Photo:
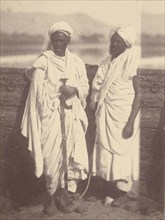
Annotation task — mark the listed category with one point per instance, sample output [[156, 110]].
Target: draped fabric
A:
[[41, 122], [114, 157], [127, 33]]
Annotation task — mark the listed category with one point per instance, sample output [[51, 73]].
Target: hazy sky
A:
[[63, 7], [111, 12], [102, 10]]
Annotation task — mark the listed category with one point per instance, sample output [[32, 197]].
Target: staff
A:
[[64, 106]]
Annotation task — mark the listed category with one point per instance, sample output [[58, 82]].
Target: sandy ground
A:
[[96, 210], [139, 209]]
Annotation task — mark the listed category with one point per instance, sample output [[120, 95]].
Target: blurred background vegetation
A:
[[23, 43]]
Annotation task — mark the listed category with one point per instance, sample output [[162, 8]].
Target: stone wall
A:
[[14, 89]]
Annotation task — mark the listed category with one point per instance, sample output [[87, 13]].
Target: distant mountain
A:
[[38, 23], [153, 24]]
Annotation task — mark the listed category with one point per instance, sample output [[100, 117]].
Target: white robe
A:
[[114, 157], [41, 122]]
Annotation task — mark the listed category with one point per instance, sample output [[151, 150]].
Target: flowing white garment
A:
[[41, 122], [114, 157]]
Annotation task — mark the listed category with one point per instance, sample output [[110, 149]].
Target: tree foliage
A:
[[22, 38], [92, 38]]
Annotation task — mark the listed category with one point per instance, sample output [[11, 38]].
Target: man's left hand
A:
[[127, 130]]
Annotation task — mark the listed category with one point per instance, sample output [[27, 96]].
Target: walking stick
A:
[[64, 106]]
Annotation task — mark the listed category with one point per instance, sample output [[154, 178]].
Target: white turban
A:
[[127, 33], [61, 27]]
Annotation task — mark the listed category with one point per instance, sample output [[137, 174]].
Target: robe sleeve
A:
[[132, 62], [31, 124], [98, 80]]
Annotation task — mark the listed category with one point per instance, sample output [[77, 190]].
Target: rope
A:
[[89, 179], [87, 186]]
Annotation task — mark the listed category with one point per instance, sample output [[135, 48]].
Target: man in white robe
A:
[[54, 120], [115, 97]]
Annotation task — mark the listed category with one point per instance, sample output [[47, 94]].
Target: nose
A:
[[58, 43]]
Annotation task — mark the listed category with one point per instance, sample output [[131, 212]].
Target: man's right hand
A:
[[68, 91], [92, 105]]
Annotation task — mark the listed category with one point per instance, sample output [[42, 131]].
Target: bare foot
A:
[[81, 209], [122, 201], [108, 201], [75, 206], [50, 208], [91, 199]]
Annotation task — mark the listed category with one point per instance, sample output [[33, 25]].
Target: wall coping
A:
[[140, 71]]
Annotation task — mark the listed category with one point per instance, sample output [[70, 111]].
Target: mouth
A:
[[113, 49], [58, 48]]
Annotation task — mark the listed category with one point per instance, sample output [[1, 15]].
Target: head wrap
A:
[[127, 33], [61, 27]]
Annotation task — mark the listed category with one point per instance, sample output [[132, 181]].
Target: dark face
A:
[[117, 45], [59, 42]]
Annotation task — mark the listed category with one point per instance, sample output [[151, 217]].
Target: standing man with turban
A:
[[54, 120], [115, 97]]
